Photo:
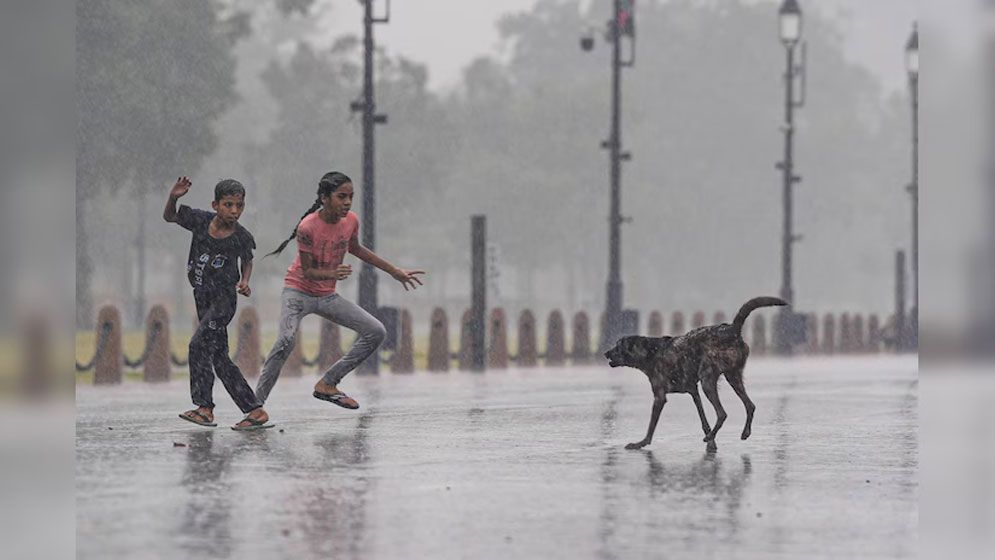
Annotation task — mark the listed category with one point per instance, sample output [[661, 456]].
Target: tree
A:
[[151, 79]]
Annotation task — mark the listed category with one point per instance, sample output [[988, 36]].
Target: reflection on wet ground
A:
[[525, 463]]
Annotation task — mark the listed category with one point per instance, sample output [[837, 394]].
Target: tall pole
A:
[[139, 311], [613, 301], [783, 325], [913, 188], [367, 274]]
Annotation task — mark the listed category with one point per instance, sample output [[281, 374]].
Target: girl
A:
[[323, 237]]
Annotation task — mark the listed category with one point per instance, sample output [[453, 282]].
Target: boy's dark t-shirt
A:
[[213, 263]]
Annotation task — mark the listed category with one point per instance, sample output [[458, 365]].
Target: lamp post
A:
[[786, 325], [367, 274], [911, 340], [621, 25]]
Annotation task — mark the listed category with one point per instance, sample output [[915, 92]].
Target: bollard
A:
[[698, 319], [497, 355], [719, 318], [829, 334], [859, 342], [157, 367], [556, 353], [812, 333], [329, 345], [677, 323], [107, 369], [759, 346], [466, 340], [874, 334], [527, 340], [581, 353], [846, 335], [655, 326], [438, 341], [37, 375], [247, 354], [403, 360]]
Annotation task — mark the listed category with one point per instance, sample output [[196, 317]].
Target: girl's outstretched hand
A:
[[408, 277], [243, 288], [180, 188]]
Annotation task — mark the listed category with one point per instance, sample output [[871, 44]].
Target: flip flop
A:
[[334, 398], [203, 420], [253, 425]]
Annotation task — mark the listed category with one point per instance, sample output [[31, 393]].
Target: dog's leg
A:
[[735, 379], [658, 401], [701, 410], [709, 383]]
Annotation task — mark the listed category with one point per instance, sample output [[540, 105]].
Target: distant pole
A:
[[139, 312], [367, 274], [478, 305], [791, 20], [912, 65]]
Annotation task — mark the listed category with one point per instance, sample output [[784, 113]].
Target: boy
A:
[[218, 244]]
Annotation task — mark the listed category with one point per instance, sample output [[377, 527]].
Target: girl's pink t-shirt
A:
[[328, 243]]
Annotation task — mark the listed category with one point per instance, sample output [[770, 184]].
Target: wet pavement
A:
[[509, 464]]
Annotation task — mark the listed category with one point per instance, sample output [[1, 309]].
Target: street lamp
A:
[[618, 322], [367, 275], [912, 66], [788, 325]]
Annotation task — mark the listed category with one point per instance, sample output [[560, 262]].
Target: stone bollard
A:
[[157, 366], [829, 334], [329, 345], [859, 342], [759, 346], [677, 324], [527, 340], [874, 334], [581, 353], [719, 318], [655, 326], [247, 354], [556, 346], [497, 354], [698, 319], [438, 341], [846, 335], [37, 377], [403, 360], [811, 333], [107, 369], [465, 341]]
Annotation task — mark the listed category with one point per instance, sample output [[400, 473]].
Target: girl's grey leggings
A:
[[294, 306]]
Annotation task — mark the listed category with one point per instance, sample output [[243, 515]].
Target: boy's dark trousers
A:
[[209, 348]]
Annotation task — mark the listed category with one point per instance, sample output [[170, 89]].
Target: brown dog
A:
[[678, 364]]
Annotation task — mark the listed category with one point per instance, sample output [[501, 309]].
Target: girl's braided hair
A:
[[328, 184]]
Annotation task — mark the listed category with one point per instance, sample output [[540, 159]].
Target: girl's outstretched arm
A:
[[179, 189], [409, 278]]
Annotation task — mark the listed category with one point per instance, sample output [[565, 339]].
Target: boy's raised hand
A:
[[180, 188]]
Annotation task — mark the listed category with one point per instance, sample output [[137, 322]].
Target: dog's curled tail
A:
[[753, 304]]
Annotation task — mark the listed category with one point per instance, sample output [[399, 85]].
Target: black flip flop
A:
[[253, 425], [334, 398]]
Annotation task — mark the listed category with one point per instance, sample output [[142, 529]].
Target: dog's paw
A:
[[746, 435], [708, 437], [711, 447], [637, 445]]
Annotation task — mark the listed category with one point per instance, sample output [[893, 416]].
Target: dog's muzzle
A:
[[611, 361]]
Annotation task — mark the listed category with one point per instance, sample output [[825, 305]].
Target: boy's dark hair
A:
[[329, 183], [228, 187]]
